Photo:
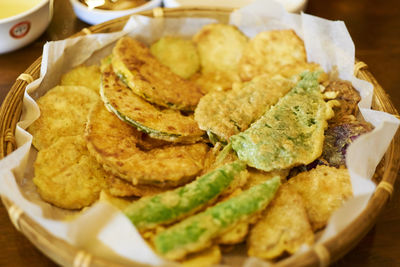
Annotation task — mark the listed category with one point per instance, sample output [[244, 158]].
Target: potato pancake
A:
[[178, 54], [114, 144], [324, 190], [63, 112], [231, 112], [133, 62], [165, 124], [283, 227], [269, 51], [88, 76], [67, 176]]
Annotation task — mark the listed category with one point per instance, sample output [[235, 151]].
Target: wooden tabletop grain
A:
[[375, 29]]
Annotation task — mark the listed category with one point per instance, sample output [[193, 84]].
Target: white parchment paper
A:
[[102, 229]]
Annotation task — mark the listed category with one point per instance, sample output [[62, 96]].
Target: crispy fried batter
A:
[[67, 176], [121, 188], [88, 76], [203, 258], [231, 112], [63, 112], [323, 190], [114, 144], [215, 81], [283, 227], [166, 124], [151, 80], [269, 51], [178, 54]]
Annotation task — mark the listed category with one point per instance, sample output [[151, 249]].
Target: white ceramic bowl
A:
[[21, 29], [96, 16]]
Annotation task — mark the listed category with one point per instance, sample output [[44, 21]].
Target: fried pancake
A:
[[283, 227], [165, 124], [114, 144], [324, 190], [121, 188], [88, 76], [215, 81], [63, 112], [269, 51], [67, 176], [133, 62], [231, 112], [178, 54]]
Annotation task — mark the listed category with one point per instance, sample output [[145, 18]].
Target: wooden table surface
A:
[[375, 29]]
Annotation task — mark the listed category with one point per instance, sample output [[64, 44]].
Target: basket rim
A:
[[334, 248]]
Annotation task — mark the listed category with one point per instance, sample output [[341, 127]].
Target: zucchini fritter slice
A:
[[133, 62], [165, 124], [178, 54], [88, 76], [115, 145], [67, 176], [230, 112], [269, 51], [63, 112]]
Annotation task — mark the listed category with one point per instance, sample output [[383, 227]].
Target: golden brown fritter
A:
[[114, 144], [269, 51], [88, 76], [67, 176], [133, 62], [63, 112], [121, 188]]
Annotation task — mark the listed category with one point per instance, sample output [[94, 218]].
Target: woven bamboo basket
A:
[[321, 255]]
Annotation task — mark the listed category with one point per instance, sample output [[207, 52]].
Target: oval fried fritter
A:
[[88, 76], [114, 144], [118, 187], [230, 112], [268, 51], [67, 176], [133, 62], [178, 54], [63, 112]]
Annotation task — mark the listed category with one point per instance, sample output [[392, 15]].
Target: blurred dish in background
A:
[[22, 21], [98, 11], [294, 6]]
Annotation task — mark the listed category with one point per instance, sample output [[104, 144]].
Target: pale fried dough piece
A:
[[231, 112], [114, 144], [323, 190], [268, 51], [203, 258], [293, 69], [63, 112], [151, 80], [178, 54], [121, 188], [283, 227], [258, 176], [88, 76], [67, 176], [215, 81], [165, 124]]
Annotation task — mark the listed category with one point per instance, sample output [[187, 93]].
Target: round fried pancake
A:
[[268, 51], [63, 112], [178, 54], [121, 188], [133, 62], [220, 47], [165, 124], [88, 76], [114, 144], [67, 176]]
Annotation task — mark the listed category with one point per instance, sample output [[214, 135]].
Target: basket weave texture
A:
[[322, 255]]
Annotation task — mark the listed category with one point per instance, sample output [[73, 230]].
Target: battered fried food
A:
[[67, 176], [115, 145], [63, 112], [121, 188], [215, 81], [207, 257], [88, 76], [178, 54], [133, 62], [269, 51], [324, 190], [283, 227], [165, 124], [290, 133], [231, 112]]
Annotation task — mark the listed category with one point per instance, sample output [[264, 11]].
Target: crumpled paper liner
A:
[[102, 229]]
